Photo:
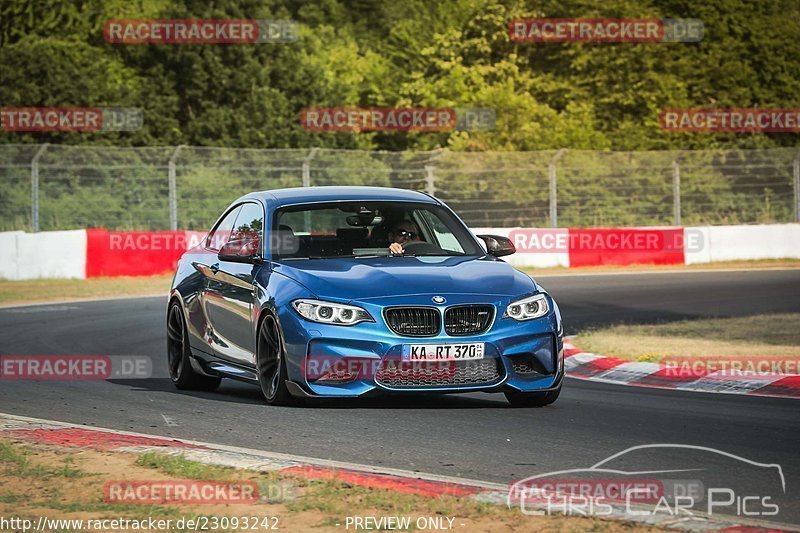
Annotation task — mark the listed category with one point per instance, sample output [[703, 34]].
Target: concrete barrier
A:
[[697, 245], [51, 254], [767, 241], [9, 265]]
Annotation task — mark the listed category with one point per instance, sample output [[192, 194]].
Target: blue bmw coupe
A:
[[334, 292]]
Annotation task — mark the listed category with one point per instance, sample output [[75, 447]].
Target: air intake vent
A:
[[468, 319], [529, 367], [413, 321], [429, 374]]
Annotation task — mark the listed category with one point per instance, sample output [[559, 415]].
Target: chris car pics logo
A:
[[677, 480]]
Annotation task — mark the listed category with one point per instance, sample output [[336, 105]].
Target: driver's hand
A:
[[396, 248]]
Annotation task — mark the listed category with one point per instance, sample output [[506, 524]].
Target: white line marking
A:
[[169, 420], [39, 309], [164, 295]]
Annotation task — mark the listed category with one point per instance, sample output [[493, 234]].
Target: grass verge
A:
[[314, 505], [776, 335], [53, 290]]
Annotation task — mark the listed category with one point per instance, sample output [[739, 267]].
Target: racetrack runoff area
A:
[[610, 417]]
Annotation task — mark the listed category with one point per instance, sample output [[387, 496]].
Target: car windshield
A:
[[361, 229]]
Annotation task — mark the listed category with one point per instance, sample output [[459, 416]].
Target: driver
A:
[[402, 232]]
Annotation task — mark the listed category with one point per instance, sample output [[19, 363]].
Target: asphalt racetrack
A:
[[474, 436]]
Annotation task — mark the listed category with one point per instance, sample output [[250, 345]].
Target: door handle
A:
[[214, 268]]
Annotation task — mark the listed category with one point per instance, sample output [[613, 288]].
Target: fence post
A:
[[307, 167], [35, 187], [676, 193], [173, 190], [797, 188], [430, 170], [553, 187], [430, 180], [307, 183]]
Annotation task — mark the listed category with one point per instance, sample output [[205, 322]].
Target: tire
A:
[[271, 363], [532, 399], [178, 353]]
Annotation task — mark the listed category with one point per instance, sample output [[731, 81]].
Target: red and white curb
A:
[[580, 364], [432, 485]]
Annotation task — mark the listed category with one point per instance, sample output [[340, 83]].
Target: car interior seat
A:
[[286, 242]]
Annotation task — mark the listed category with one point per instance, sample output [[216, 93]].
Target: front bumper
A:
[[520, 356]]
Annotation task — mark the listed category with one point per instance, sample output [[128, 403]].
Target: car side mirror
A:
[[240, 251], [498, 246]]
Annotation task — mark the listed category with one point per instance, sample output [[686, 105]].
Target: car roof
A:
[[298, 195]]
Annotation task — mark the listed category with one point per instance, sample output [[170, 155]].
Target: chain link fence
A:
[[53, 187]]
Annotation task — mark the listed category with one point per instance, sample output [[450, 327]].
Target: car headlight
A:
[[331, 313], [535, 306]]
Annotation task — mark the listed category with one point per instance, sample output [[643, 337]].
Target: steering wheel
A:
[[421, 247], [411, 244]]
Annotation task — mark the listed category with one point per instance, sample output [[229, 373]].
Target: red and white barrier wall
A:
[[100, 253], [128, 253], [575, 247]]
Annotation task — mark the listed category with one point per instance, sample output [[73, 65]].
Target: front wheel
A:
[[178, 353], [532, 399], [271, 365]]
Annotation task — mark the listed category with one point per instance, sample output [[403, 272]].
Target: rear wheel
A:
[[532, 399], [271, 365], [178, 353]]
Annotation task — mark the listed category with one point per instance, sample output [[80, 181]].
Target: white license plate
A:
[[467, 351]]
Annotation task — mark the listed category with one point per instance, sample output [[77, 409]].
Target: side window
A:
[[219, 235], [249, 223], [444, 236]]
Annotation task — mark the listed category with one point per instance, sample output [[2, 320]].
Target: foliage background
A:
[[590, 98], [404, 52]]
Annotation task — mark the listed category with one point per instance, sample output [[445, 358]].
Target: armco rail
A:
[[97, 252]]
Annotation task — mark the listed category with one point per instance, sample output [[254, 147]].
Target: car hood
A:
[[378, 277]]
